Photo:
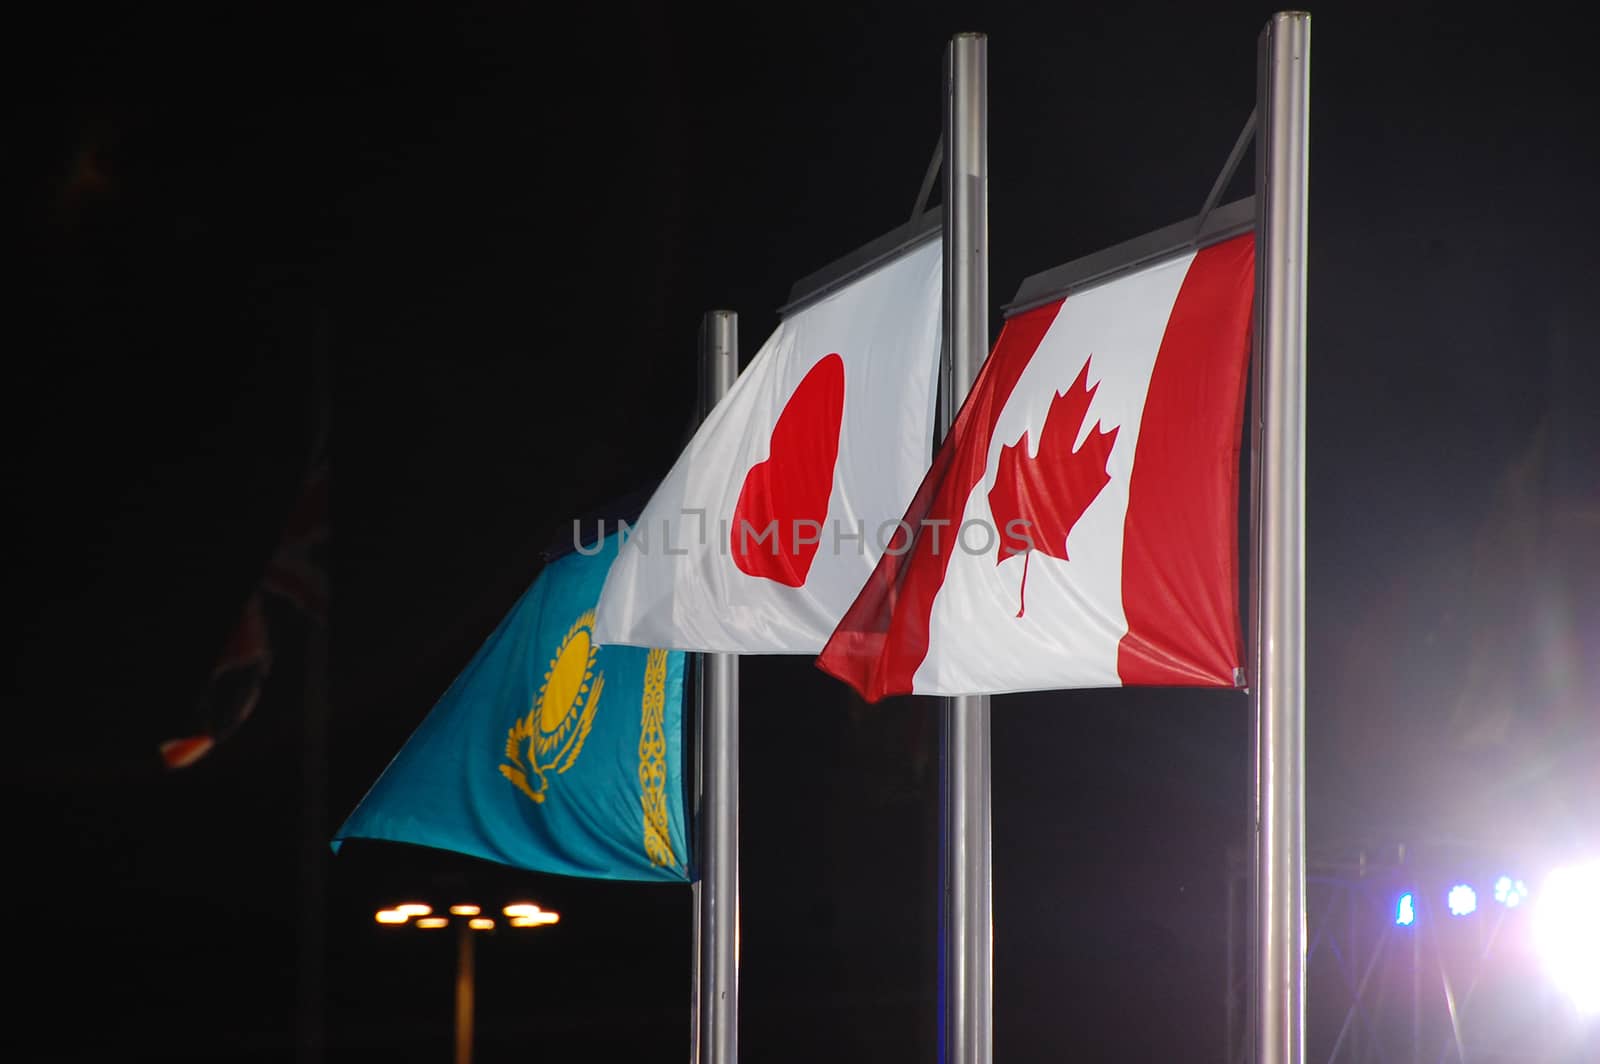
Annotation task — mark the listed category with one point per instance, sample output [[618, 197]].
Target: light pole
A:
[[469, 920]]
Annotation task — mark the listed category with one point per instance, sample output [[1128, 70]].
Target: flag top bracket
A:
[[1246, 135], [869, 256], [926, 191], [1212, 227]]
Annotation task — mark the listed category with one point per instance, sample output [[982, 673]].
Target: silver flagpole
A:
[[965, 951], [1278, 550], [716, 932]]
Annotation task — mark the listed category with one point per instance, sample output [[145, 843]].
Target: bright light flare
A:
[[1462, 899], [391, 916], [414, 908], [481, 923], [1405, 913], [464, 910], [522, 908], [433, 921], [1566, 932], [536, 920]]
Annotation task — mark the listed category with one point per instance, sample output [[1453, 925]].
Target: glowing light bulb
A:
[[539, 919], [1405, 914], [1510, 892]]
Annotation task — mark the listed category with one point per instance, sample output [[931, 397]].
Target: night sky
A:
[[496, 232]]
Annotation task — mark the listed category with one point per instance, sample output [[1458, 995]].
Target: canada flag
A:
[[774, 515], [1079, 525]]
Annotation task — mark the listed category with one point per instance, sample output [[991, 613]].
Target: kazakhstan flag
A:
[[547, 753]]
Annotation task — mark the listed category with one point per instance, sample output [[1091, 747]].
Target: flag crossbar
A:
[[1228, 220], [840, 272]]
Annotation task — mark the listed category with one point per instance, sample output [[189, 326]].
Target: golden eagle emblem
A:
[[550, 737]]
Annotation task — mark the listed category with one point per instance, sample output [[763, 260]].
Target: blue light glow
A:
[[1510, 892], [1405, 913], [1463, 900]]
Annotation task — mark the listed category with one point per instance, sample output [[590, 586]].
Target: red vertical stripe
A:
[[883, 637], [1180, 552]]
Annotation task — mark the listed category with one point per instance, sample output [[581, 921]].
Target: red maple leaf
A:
[[1036, 501]]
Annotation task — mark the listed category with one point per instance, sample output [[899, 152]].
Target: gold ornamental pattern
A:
[[653, 763]]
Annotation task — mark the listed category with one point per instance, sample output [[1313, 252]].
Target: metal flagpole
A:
[[1278, 548], [965, 951], [716, 933]]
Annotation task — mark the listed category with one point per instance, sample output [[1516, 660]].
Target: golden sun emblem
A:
[[550, 737]]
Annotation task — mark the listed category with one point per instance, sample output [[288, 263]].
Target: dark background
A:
[[498, 229]]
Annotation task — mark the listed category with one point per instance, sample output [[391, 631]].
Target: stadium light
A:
[[1566, 932], [1462, 899], [1510, 892], [1405, 913], [467, 920]]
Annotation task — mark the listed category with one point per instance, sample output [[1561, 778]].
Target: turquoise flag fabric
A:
[[547, 753]]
